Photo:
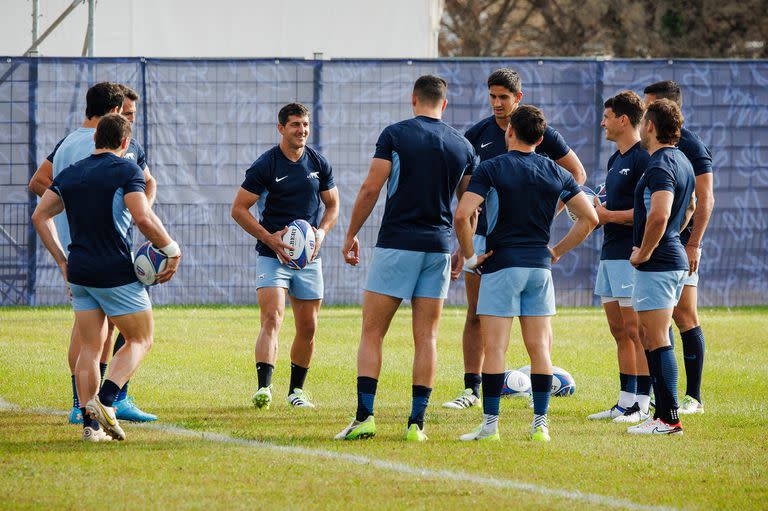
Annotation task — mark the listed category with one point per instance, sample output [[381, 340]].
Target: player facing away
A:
[[516, 278], [293, 181], [101, 194], [621, 119], [488, 138], [686, 314], [663, 206], [424, 162]]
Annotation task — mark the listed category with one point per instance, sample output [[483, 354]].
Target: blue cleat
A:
[[126, 410], [75, 417]]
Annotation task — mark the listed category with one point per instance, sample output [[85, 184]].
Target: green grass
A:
[[200, 376]]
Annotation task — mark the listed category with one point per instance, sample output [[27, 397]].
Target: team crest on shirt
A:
[[130, 156], [314, 175], [624, 172]]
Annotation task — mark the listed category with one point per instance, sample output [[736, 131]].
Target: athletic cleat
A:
[[690, 405], [126, 410], [655, 427], [300, 399], [358, 430], [75, 416], [540, 434], [632, 414], [612, 413], [414, 434], [105, 415], [262, 398], [95, 435], [464, 400], [481, 435]]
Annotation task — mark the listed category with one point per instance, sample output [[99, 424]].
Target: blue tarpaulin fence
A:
[[202, 123]]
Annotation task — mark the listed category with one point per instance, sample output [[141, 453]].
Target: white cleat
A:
[[632, 414], [300, 399], [610, 414], [655, 427], [481, 434], [95, 435], [105, 416], [464, 400], [690, 406], [262, 399]]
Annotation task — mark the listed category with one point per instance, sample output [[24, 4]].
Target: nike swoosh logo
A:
[[641, 299], [486, 144], [280, 179], [105, 414], [625, 286]]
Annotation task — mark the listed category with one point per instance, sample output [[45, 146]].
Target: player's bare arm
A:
[[378, 173], [151, 187], [655, 225], [241, 213], [42, 178], [151, 227], [330, 200], [586, 221]]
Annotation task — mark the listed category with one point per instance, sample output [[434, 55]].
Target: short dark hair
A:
[[430, 89], [111, 131], [627, 103], [529, 124], [666, 116], [129, 93], [101, 98], [507, 78], [667, 89], [290, 109]]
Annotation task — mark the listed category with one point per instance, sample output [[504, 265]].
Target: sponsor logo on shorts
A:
[[641, 299], [261, 276], [625, 286]]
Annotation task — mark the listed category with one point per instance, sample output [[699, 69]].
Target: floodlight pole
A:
[[35, 24], [89, 34], [53, 26]]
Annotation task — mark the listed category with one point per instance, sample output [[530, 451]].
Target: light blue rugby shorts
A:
[[512, 292], [114, 301], [304, 284], [409, 274]]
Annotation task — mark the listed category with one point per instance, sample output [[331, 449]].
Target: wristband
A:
[[171, 250], [471, 262], [320, 235]]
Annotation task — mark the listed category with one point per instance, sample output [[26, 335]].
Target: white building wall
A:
[[231, 28]]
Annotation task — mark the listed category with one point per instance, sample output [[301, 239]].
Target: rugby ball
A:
[[590, 195], [601, 193], [516, 384], [563, 383], [301, 238], [148, 262]]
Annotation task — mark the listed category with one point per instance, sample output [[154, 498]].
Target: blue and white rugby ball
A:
[[563, 383], [601, 193], [301, 237], [148, 262], [516, 384]]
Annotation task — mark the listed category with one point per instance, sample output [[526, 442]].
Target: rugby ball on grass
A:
[[563, 383], [149, 261], [516, 384], [301, 237]]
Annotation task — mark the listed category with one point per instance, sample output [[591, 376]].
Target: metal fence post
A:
[[32, 198]]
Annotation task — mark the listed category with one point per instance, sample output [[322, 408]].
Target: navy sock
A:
[[643, 385], [671, 336], [102, 370], [473, 381], [628, 383], [366, 394], [492, 385], [108, 393], [652, 370], [87, 421], [693, 357], [75, 400], [119, 343], [264, 374], [665, 384], [298, 375], [419, 405], [541, 386]]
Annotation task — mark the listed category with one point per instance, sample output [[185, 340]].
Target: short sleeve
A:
[[553, 145], [481, 181], [256, 178], [698, 154], [326, 176], [570, 187], [56, 184], [471, 134], [474, 161], [141, 157], [53, 153], [640, 164], [658, 179], [135, 181], [385, 145]]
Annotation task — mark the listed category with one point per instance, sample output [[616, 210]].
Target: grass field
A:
[[212, 450]]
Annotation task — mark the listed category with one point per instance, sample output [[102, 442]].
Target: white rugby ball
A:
[[516, 384], [148, 262], [563, 383], [301, 237]]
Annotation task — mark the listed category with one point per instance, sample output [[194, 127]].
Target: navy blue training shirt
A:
[[624, 171], [292, 189], [428, 159], [668, 170], [701, 159], [93, 191], [527, 187], [134, 152], [489, 141]]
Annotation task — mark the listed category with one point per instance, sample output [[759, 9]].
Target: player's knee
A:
[[472, 318], [617, 330], [271, 319], [685, 318]]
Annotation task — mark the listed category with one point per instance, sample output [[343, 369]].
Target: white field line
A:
[[390, 466]]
